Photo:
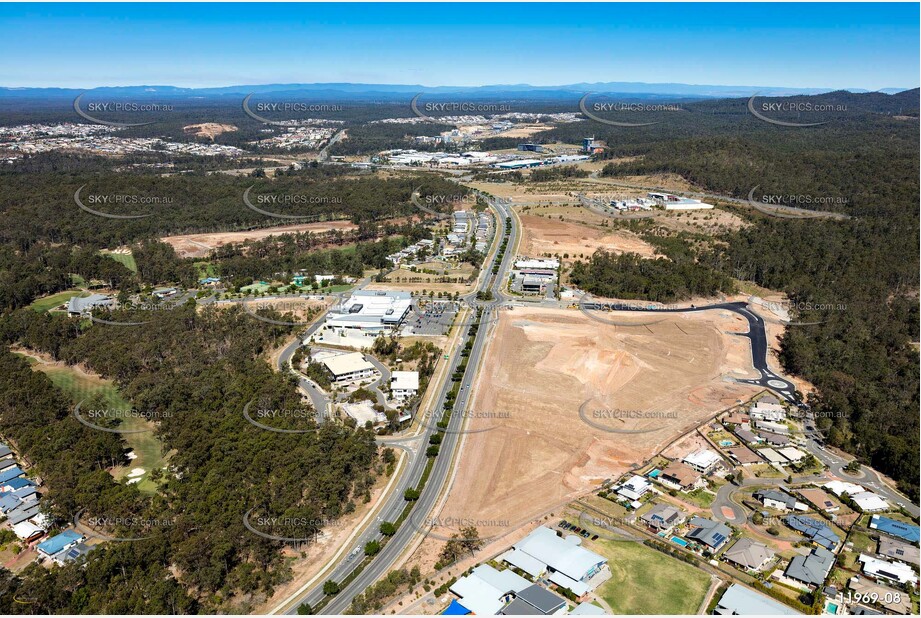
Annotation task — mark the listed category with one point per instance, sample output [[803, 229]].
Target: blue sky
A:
[[793, 45]]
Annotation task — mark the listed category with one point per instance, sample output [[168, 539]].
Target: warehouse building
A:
[[366, 315]]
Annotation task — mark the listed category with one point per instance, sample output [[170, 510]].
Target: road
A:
[[787, 391], [415, 448]]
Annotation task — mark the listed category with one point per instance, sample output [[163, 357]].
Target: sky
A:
[[830, 45]]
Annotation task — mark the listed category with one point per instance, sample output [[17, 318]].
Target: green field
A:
[[123, 258], [646, 581], [50, 302], [145, 445]]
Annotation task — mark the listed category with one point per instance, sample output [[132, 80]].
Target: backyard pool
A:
[[726, 442], [679, 541]]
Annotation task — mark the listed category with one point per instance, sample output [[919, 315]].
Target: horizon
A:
[[868, 47]]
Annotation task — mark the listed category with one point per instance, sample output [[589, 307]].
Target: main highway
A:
[[416, 446]]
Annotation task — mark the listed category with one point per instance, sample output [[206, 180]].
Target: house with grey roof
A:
[[747, 435], [710, 533], [534, 600], [779, 500], [815, 530], [663, 517], [774, 439], [813, 568], [749, 554], [739, 600]]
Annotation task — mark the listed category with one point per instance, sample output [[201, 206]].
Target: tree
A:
[[411, 494], [304, 609], [372, 547], [330, 588], [388, 528]]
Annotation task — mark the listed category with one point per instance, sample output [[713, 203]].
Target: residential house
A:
[[749, 554], [898, 572], [817, 531], [677, 475], [663, 517], [739, 600], [779, 500], [899, 550], [710, 533], [811, 569], [703, 460]]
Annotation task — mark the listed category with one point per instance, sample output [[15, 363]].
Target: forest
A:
[[194, 372]]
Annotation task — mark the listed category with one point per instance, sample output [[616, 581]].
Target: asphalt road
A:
[[416, 447]]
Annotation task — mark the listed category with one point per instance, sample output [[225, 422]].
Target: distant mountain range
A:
[[390, 92]]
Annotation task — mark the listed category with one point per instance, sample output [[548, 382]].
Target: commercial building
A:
[[741, 601], [365, 316], [404, 384], [77, 306], [347, 368], [563, 560]]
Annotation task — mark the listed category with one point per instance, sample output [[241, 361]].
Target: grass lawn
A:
[[646, 581], [700, 497], [762, 471], [123, 258], [146, 446], [55, 300]]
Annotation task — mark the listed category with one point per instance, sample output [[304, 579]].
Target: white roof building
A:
[[702, 460], [544, 547], [349, 367], [486, 590], [893, 571], [369, 311], [772, 456], [549, 263], [866, 501], [791, 453], [634, 488], [404, 384]]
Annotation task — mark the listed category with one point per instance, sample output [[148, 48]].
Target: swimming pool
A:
[[654, 474], [679, 541], [726, 442], [831, 608]]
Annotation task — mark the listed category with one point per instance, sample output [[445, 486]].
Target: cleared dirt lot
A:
[[543, 365], [545, 236], [198, 245]]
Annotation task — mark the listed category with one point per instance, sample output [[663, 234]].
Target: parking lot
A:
[[432, 319]]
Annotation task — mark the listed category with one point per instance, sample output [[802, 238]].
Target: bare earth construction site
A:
[[658, 379]]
